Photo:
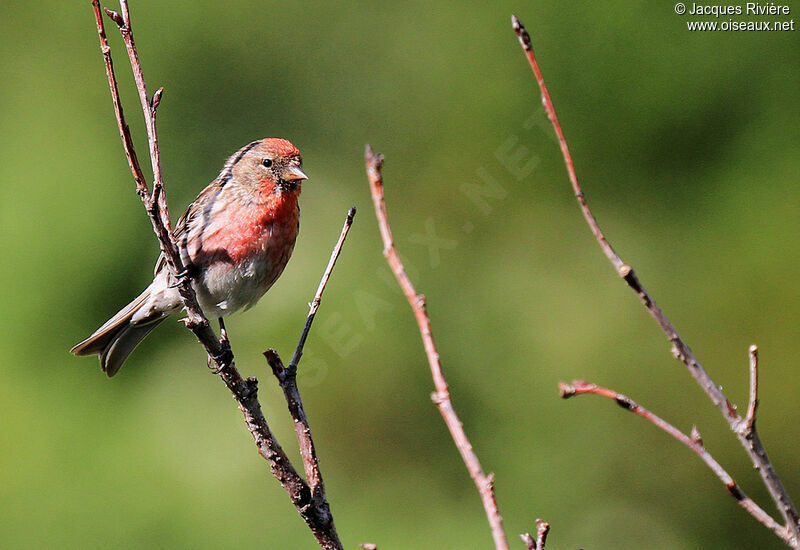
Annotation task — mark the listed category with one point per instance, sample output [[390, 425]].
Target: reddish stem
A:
[[748, 437], [693, 441], [441, 397]]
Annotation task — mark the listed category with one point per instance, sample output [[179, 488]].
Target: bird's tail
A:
[[117, 338]]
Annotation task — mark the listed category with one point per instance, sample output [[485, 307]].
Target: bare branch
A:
[[441, 397], [124, 131], [529, 541], [542, 529], [693, 441], [287, 379], [752, 406], [321, 288], [680, 349]]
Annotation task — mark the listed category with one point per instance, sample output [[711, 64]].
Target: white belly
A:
[[225, 289]]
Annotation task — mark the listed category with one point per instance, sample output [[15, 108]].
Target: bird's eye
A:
[[267, 163]]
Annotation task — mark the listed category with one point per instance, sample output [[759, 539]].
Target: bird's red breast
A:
[[237, 231]]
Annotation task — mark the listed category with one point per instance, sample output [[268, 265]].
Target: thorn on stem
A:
[[695, 437], [156, 99], [115, 17]]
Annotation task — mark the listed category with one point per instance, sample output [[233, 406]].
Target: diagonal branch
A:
[[316, 513], [747, 437], [124, 131], [149, 107], [693, 441], [441, 397], [287, 377], [159, 217], [312, 310]]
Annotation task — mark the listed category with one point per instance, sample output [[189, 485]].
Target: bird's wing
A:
[[178, 235], [184, 224]]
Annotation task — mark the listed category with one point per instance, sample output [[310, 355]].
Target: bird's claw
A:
[[223, 359]]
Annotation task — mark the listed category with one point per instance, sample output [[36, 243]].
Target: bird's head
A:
[[270, 164]]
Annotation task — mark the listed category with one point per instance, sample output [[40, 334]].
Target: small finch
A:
[[235, 239]]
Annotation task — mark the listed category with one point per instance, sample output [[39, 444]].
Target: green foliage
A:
[[686, 144]]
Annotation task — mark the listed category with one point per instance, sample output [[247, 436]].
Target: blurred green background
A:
[[686, 145]]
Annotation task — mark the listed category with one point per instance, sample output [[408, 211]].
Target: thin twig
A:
[[693, 441], [312, 310], [542, 529], [244, 391], [752, 405], [149, 109], [159, 215], [124, 131], [530, 542], [749, 439], [287, 378], [441, 397]]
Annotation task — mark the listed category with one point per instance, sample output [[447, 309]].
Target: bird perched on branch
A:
[[235, 240]]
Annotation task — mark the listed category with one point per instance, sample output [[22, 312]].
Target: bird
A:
[[235, 240]]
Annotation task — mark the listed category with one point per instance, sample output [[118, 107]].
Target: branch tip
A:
[[156, 99], [530, 544], [752, 405], [441, 396], [522, 34], [542, 529], [374, 160], [115, 17], [566, 390]]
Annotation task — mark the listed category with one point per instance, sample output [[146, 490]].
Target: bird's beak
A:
[[293, 173]]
